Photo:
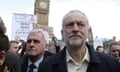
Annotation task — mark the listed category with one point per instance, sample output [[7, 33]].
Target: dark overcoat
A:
[[25, 60], [99, 62]]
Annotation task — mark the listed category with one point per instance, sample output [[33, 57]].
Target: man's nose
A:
[[32, 42], [75, 27]]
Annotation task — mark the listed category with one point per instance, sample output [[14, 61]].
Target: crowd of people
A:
[[34, 55], [113, 50]]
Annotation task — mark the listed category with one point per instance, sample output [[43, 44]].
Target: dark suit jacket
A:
[[98, 63], [25, 60], [14, 62]]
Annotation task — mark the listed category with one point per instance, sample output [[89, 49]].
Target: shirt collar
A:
[[85, 58], [35, 63]]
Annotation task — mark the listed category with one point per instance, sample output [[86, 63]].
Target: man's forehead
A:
[[116, 45], [35, 33], [75, 16], [76, 13]]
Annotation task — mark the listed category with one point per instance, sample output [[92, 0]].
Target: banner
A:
[[22, 24]]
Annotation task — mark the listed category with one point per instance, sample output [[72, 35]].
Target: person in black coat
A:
[[98, 63], [8, 61], [35, 50], [77, 56]]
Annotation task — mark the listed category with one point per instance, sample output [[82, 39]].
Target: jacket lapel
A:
[[60, 64], [94, 60], [25, 63]]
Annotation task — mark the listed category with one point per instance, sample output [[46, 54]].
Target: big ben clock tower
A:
[[42, 11]]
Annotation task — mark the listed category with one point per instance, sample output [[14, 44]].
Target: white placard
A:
[[21, 25]]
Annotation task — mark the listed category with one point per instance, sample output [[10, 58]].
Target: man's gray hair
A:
[[45, 34], [75, 11]]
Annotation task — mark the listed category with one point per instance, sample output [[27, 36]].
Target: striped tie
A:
[[31, 67]]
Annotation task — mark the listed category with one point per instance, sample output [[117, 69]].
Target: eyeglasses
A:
[[34, 40]]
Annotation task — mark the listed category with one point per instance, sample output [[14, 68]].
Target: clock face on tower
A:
[[43, 5]]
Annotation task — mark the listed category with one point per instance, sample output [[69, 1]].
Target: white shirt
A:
[[73, 66], [35, 63]]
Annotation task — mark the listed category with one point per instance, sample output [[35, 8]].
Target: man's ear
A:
[[62, 34], [2, 57], [90, 36]]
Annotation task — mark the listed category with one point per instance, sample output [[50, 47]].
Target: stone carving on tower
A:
[[41, 10]]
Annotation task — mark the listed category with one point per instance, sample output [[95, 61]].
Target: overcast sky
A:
[[103, 15]]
